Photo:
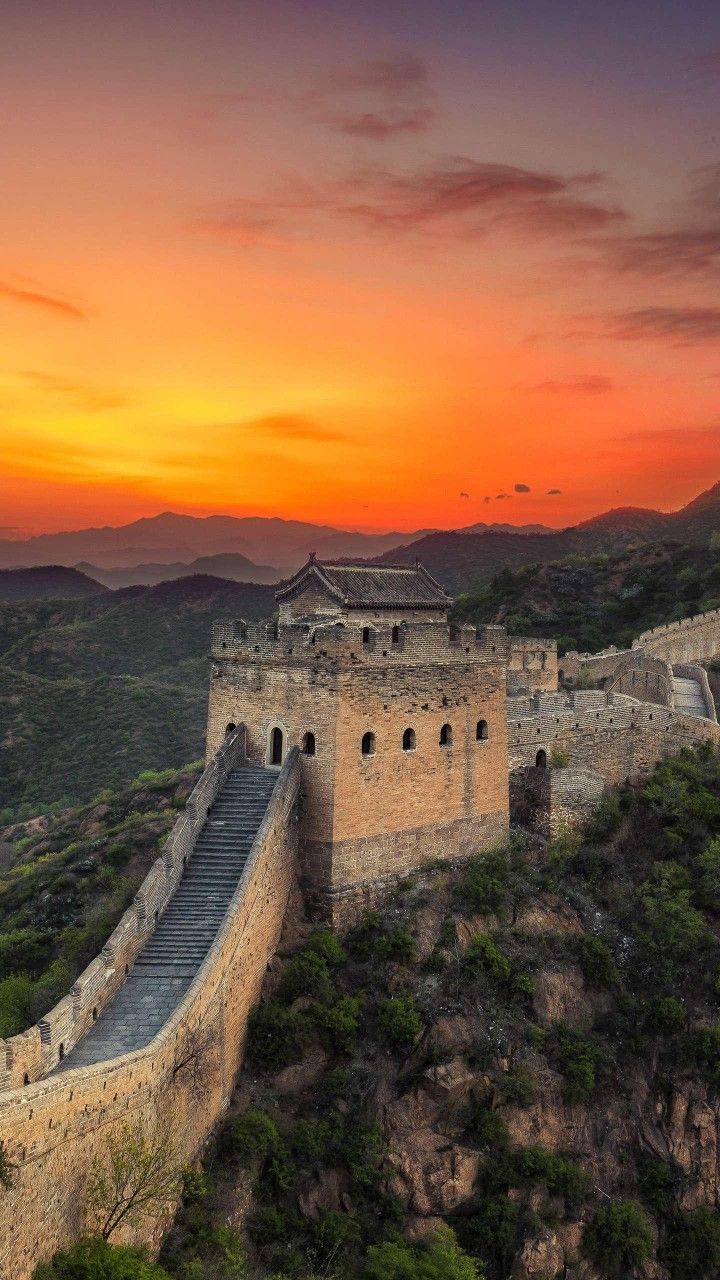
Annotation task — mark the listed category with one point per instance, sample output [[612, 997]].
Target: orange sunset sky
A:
[[371, 264]]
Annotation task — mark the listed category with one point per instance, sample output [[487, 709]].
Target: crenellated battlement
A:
[[350, 643]]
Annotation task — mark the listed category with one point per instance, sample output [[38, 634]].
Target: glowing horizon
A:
[[361, 268]]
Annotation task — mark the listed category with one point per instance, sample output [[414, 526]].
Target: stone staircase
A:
[[688, 697], [185, 932]]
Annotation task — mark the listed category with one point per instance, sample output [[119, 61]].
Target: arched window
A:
[[230, 729], [368, 744], [409, 742], [481, 731], [276, 746], [308, 744], [561, 675], [454, 633], [366, 635], [541, 759], [395, 635], [446, 735]]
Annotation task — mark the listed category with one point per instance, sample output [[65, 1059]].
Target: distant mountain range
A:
[[259, 550], [462, 559], [172, 539], [232, 566]]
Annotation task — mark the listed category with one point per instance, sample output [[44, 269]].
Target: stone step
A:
[[189, 925]]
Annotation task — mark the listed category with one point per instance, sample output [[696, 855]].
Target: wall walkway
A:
[[180, 1081]]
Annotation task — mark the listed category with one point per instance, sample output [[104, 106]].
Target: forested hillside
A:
[[65, 880], [94, 691], [511, 1071], [588, 602]]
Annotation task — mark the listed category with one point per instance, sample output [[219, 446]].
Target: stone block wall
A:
[[611, 735], [368, 818], [693, 639], [180, 1083], [35, 1052], [532, 665]]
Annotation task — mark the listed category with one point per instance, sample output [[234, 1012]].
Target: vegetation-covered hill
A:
[[524, 1051], [589, 602], [462, 561], [66, 879], [94, 691], [47, 582]]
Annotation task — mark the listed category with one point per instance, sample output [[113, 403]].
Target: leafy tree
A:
[[486, 883], [96, 1259], [276, 1035], [692, 1248], [400, 1021], [442, 1259], [134, 1178], [618, 1239]]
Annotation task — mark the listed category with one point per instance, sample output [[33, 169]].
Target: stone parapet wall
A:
[[332, 642], [532, 665], [689, 640], [692, 671], [179, 1084], [33, 1053], [612, 735]]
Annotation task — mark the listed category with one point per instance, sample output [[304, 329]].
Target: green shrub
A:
[[517, 1087], [483, 957], [708, 867], [701, 1049], [579, 1060], [24, 950], [657, 1181], [400, 1021], [491, 1227], [324, 943], [597, 963], [442, 1259], [17, 1003], [335, 1235], [666, 1014], [371, 939], [267, 1225], [486, 883], [559, 759], [277, 1035], [254, 1136], [618, 1239], [607, 818], [692, 1248], [339, 1023], [486, 1126], [96, 1259], [307, 974], [528, 1166]]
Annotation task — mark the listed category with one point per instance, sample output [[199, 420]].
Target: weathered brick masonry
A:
[[181, 1082], [369, 817]]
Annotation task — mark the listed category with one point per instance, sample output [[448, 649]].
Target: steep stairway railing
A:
[[33, 1053]]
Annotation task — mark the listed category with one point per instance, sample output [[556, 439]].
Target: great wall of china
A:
[[153, 1031]]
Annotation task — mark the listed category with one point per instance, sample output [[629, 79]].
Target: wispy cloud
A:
[[81, 395], [377, 100], [590, 384], [37, 298], [456, 198], [682, 326]]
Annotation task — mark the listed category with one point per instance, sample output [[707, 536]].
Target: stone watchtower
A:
[[399, 716]]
